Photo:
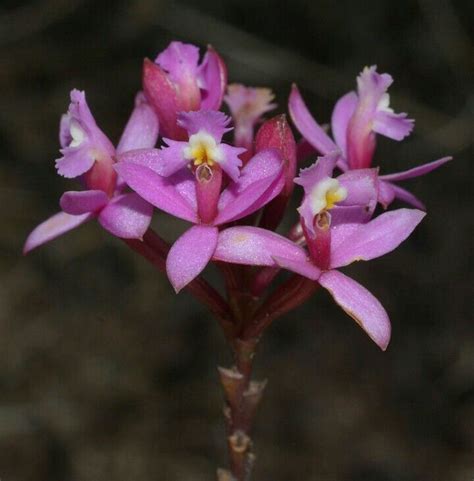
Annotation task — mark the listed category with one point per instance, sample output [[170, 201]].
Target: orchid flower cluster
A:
[[177, 154]]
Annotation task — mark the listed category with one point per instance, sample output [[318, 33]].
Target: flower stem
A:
[[242, 397], [154, 249]]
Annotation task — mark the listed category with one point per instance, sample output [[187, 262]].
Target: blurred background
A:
[[106, 375]]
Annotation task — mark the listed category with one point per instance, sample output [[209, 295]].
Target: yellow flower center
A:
[[202, 149], [326, 194]]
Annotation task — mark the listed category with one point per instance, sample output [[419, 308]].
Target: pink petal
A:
[[213, 122], [157, 190], [408, 197], [303, 268], [77, 203], [231, 163], [260, 181], [53, 227], [313, 174], [360, 304], [361, 186], [307, 126], [342, 113], [172, 157], [416, 171], [386, 193], [255, 246], [190, 254], [161, 94], [151, 158], [141, 131], [213, 75], [374, 239], [392, 125], [127, 216], [180, 62], [93, 146]]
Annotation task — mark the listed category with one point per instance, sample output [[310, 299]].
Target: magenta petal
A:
[[316, 172], [416, 171], [386, 193], [151, 158], [127, 216], [213, 76], [260, 181], [77, 203], [307, 126], [172, 157], [392, 125], [75, 161], [255, 246], [303, 268], [408, 197], [161, 94], [141, 131], [342, 113], [53, 227], [360, 304], [190, 254], [231, 163], [374, 239], [157, 190], [213, 122], [361, 185]]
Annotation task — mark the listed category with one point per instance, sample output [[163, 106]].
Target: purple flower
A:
[[89, 154], [177, 82], [247, 106], [332, 243], [197, 198], [356, 119], [204, 148]]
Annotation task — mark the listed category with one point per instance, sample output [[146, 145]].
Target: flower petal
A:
[[260, 181], [180, 61], [374, 239], [81, 139], [212, 74], [127, 216], [77, 203], [386, 193], [362, 192], [213, 122], [53, 227], [159, 191], [141, 131], [406, 196], [172, 157], [416, 171], [360, 304], [230, 162], [161, 94], [392, 125], [307, 126], [190, 254], [342, 113], [255, 246], [304, 268]]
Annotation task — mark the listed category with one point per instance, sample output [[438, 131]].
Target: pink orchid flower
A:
[[333, 241], [185, 179], [177, 82], [247, 105], [88, 153], [356, 119]]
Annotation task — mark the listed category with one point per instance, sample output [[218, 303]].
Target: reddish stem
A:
[[154, 249]]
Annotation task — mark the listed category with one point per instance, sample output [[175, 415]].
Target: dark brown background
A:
[[106, 375]]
